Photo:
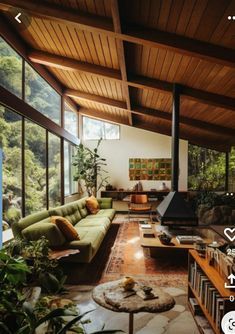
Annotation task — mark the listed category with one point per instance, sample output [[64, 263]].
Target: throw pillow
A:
[[92, 205], [66, 228]]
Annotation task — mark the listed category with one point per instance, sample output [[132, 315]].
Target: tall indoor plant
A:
[[89, 168]]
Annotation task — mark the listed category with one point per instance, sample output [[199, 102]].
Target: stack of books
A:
[[207, 293], [188, 239]]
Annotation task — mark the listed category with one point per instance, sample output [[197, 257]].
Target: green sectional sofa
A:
[[91, 228]]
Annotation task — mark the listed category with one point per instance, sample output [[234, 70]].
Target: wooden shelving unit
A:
[[217, 282]]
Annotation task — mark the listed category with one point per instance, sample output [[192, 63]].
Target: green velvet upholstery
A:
[[105, 203], [91, 228], [94, 222], [69, 211], [27, 221], [82, 207], [47, 229], [103, 213], [89, 243]]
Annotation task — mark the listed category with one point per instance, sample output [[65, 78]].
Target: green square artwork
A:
[[149, 169]]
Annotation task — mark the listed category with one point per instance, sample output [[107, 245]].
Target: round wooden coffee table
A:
[[110, 295]]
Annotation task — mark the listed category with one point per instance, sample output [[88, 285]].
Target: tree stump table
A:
[[111, 296]]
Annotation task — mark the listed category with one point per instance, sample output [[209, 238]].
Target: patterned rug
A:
[[122, 255]]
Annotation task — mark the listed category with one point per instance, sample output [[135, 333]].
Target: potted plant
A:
[[90, 168], [21, 314]]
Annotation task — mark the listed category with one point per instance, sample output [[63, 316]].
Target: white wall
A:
[[137, 143]]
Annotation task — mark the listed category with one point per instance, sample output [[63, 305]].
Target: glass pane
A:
[[40, 95], [111, 131], [11, 123], [70, 120], [74, 184], [92, 129], [66, 169], [10, 69], [35, 167], [232, 170], [54, 159], [206, 169]]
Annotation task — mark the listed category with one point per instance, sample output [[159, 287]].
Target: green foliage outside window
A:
[[206, 169], [10, 69]]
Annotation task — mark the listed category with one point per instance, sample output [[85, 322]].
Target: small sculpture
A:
[[128, 283], [165, 238]]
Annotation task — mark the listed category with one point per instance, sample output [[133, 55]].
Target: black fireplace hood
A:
[[174, 210]]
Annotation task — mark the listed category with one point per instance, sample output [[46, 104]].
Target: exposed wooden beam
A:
[[208, 127], [121, 54], [194, 94], [218, 144], [95, 98], [70, 64], [101, 115], [54, 12], [133, 34], [192, 122], [136, 81], [180, 44]]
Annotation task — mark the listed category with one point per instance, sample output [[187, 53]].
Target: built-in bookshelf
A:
[[208, 299]]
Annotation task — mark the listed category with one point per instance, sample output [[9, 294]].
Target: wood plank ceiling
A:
[[118, 60]]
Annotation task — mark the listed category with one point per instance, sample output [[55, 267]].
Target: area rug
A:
[[122, 255]]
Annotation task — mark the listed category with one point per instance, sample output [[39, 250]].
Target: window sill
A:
[[7, 235]]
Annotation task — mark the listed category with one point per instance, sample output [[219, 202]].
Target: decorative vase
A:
[[128, 283]]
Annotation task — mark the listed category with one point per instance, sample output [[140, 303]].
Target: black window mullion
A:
[[62, 170], [47, 171], [23, 194]]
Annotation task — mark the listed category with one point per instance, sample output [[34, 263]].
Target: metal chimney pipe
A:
[[175, 138]]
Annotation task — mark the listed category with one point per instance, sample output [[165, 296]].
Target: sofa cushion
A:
[[81, 203], [107, 213], [45, 228], [69, 211], [28, 221], [105, 202], [89, 243], [96, 222], [92, 205], [65, 227]]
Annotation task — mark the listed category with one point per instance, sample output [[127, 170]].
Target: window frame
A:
[[19, 106], [103, 122]]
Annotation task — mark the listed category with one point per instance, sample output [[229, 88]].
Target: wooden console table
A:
[[119, 195]]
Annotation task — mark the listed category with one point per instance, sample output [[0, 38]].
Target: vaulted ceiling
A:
[[118, 60]]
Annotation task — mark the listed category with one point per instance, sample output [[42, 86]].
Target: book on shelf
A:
[[195, 306], [188, 239], [203, 324], [145, 226], [207, 293]]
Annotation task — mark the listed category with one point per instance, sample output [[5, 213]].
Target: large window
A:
[[10, 69], [32, 158], [232, 170], [41, 96], [11, 143], [54, 170], [70, 120], [206, 169], [35, 167], [70, 186], [94, 129]]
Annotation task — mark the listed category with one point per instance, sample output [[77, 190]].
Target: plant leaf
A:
[[59, 312], [72, 322]]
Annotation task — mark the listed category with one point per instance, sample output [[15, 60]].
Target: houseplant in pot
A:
[[90, 168]]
